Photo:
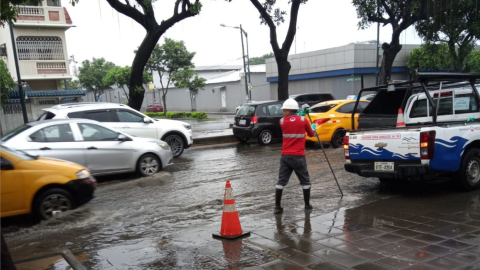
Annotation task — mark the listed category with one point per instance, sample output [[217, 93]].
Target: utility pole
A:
[[19, 79], [248, 59], [243, 58], [378, 44]]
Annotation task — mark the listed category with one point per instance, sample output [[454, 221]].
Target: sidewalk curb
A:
[[214, 140]]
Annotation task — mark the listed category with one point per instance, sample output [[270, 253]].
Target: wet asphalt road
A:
[[165, 222]]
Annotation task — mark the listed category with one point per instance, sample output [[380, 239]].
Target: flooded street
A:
[[167, 221]]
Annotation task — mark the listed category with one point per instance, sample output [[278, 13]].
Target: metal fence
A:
[[40, 48]]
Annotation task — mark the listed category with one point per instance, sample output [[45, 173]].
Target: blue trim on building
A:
[[50, 93], [334, 73]]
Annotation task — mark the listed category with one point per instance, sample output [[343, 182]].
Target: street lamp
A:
[[249, 93]]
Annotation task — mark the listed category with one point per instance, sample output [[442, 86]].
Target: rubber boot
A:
[[278, 200], [306, 198]]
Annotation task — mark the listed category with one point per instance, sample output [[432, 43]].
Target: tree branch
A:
[[292, 28], [164, 25], [270, 23], [128, 11]]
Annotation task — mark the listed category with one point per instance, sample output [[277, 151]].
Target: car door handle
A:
[[92, 148], [45, 148], [125, 127]]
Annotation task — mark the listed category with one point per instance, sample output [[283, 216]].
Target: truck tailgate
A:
[[384, 145]]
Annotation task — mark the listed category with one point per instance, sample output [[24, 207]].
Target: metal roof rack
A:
[[426, 82]]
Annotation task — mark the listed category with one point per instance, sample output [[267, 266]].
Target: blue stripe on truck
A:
[[359, 151], [448, 154]]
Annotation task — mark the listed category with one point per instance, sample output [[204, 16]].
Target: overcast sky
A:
[[102, 32]]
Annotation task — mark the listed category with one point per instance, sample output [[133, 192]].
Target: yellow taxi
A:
[[41, 186], [333, 118]]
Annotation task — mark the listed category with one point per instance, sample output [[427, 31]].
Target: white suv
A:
[[121, 117]]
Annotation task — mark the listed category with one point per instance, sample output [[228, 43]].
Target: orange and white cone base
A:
[[231, 228], [400, 119]]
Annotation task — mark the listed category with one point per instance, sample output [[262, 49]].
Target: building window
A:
[[53, 3], [28, 3], [40, 48]]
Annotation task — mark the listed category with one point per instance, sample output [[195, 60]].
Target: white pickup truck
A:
[[437, 140]]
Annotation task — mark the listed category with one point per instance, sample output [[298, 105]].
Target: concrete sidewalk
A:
[[429, 233]]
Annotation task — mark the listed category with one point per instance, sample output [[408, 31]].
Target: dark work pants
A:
[[288, 164]]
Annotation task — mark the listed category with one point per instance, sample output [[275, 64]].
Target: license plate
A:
[[384, 166], [243, 122]]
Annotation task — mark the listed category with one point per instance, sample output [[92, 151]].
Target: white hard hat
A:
[[290, 104]]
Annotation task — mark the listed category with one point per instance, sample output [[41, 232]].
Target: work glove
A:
[[307, 111], [301, 113], [471, 119], [314, 127]]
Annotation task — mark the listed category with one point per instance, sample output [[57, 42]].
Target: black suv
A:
[[312, 98], [259, 120]]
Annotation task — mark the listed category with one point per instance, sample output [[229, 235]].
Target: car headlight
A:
[[83, 174], [164, 145], [187, 126]]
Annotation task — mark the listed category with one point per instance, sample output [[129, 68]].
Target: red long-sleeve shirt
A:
[[293, 131]]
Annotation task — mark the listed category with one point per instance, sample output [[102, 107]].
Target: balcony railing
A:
[[51, 65], [30, 11]]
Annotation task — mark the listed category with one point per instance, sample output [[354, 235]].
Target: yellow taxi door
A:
[[11, 183]]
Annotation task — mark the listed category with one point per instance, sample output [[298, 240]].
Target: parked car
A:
[[260, 120], [89, 143], [245, 102], [333, 118], [312, 98], [155, 107], [121, 117], [41, 186]]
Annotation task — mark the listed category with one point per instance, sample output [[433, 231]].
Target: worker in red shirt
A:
[[293, 153]]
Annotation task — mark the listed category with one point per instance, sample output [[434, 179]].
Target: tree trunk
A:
[[136, 77], [164, 98], [283, 67], [390, 51]]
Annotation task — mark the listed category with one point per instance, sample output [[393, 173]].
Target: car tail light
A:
[[235, 120], [427, 144], [321, 121], [346, 149], [443, 94], [254, 120]]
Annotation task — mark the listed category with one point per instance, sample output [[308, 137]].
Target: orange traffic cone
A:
[[400, 121], [231, 228]]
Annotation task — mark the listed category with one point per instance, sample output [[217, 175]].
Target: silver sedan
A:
[[102, 150]]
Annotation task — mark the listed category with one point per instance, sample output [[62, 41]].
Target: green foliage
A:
[[169, 59], [260, 60], [92, 73], [9, 8], [72, 84], [120, 76], [430, 56], [188, 78], [473, 61], [196, 8], [6, 82], [197, 115]]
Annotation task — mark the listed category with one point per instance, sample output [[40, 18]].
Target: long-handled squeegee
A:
[[304, 108]]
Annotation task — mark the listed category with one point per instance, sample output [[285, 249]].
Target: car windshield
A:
[[246, 110], [322, 108], [17, 153], [14, 132]]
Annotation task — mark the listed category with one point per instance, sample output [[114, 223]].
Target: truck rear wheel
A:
[[470, 170]]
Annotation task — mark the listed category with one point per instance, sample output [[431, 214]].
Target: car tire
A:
[[337, 138], [176, 143], [265, 137], [469, 173], [51, 202], [241, 140], [148, 165]]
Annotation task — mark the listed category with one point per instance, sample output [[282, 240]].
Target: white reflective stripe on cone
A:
[[306, 187], [279, 187], [228, 194], [228, 208], [294, 135]]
